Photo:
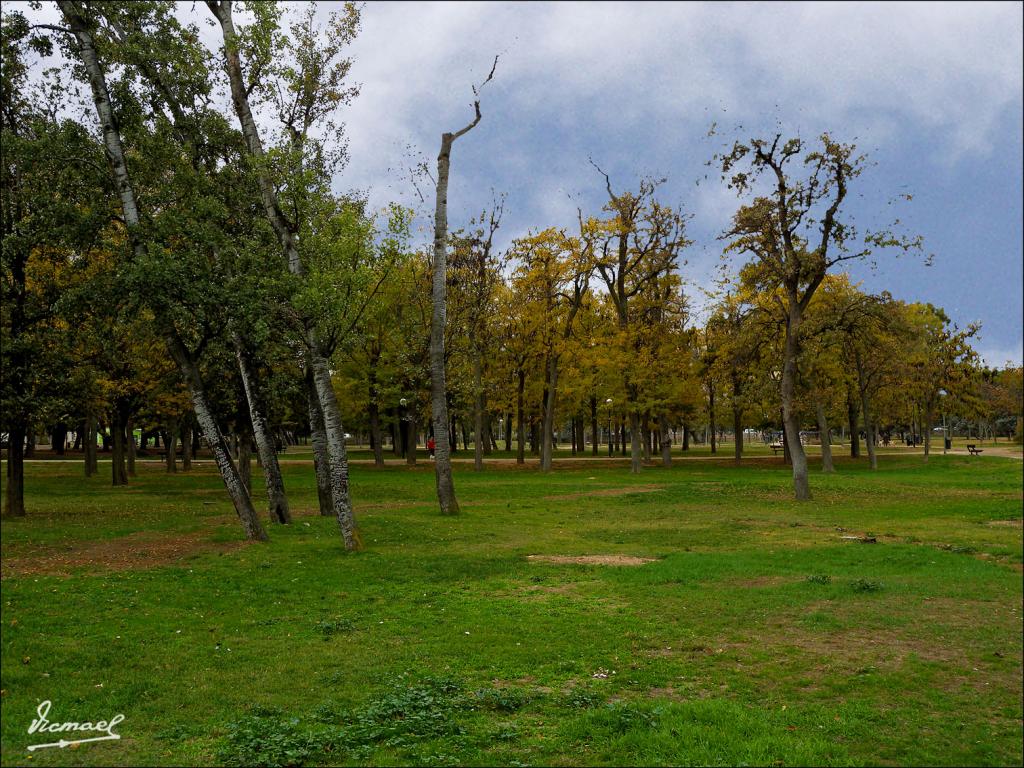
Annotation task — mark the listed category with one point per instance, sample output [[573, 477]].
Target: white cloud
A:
[[997, 357]]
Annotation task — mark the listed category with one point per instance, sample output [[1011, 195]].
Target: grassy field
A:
[[724, 624]]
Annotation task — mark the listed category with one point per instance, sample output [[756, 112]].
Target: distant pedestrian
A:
[[430, 447]]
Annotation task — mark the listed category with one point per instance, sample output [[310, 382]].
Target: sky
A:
[[932, 92]]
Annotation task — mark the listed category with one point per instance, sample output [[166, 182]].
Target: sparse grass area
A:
[[757, 635]]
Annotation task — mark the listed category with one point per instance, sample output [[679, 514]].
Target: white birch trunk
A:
[[129, 208], [277, 500]]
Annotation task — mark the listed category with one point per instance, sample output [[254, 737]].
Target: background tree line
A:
[[177, 262]]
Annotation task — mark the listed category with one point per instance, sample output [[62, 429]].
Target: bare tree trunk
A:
[[375, 434], [686, 437], [337, 457], [89, 445], [645, 435], [521, 425], [118, 474], [439, 391], [215, 440], [634, 441], [737, 416], [410, 456], [318, 438], [869, 432], [186, 443], [130, 445], [594, 433], [791, 421], [548, 428], [928, 416], [852, 411], [508, 431], [277, 500], [14, 497], [711, 417], [172, 447], [826, 439], [478, 411], [666, 441], [244, 439]]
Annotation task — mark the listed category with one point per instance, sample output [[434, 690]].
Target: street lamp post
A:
[[608, 402]]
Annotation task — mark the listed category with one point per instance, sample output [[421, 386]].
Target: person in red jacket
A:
[[430, 447]]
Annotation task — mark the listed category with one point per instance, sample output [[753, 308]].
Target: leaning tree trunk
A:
[[215, 440], [129, 208], [791, 421], [244, 439], [337, 456], [14, 498], [336, 453], [826, 439], [318, 438], [277, 500]]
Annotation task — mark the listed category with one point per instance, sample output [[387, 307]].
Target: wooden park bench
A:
[[776, 447], [974, 450]]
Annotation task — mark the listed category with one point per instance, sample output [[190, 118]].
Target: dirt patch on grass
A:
[[591, 559], [764, 581], [606, 492], [134, 552], [1006, 523]]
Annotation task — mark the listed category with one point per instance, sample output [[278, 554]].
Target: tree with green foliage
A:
[[55, 202], [146, 242]]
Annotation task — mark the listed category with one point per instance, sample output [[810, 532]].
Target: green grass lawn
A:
[[757, 634]]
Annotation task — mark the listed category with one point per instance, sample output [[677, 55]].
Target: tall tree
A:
[[304, 75], [795, 232], [439, 392], [645, 243], [55, 203], [82, 26]]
